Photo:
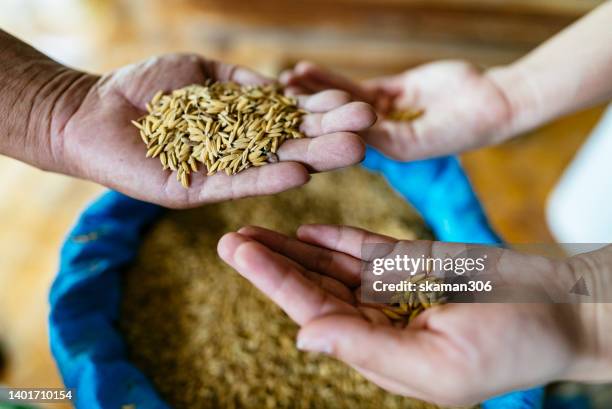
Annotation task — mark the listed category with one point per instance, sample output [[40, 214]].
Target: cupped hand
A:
[[452, 354], [462, 107], [99, 143]]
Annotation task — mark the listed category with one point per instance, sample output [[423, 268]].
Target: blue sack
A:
[[85, 296]]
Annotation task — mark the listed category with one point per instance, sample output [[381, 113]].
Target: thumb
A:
[[398, 140], [410, 361], [330, 79], [221, 71], [380, 349]]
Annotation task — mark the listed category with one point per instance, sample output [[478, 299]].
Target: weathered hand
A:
[[452, 354], [99, 143], [463, 108]]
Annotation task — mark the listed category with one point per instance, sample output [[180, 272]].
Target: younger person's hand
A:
[[453, 354], [462, 107]]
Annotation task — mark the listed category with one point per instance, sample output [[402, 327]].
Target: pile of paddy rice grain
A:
[[223, 126], [207, 338]]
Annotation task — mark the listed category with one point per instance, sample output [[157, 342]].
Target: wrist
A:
[[56, 100], [39, 95], [521, 97]]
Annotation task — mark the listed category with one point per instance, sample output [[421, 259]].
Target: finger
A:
[[327, 152], [384, 350], [340, 266], [284, 77], [371, 314], [274, 240], [344, 239], [308, 71], [351, 117], [295, 91], [353, 241], [277, 277], [329, 284], [436, 250], [324, 101], [139, 82], [397, 140], [229, 72], [290, 78], [173, 71], [269, 179], [391, 84]]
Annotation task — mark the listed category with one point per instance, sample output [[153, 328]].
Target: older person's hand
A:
[[99, 143], [67, 121]]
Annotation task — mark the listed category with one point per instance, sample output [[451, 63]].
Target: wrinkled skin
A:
[[99, 143]]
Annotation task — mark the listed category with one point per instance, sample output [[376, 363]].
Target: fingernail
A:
[[314, 345]]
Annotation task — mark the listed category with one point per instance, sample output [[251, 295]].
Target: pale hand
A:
[[463, 107], [454, 354]]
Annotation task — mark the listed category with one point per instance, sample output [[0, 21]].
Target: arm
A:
[[67, 121], [38, 96], [571, 71], [466, 108]]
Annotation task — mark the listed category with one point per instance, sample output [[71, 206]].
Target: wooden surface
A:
[[359, 37], [363, 37], [513, 180]]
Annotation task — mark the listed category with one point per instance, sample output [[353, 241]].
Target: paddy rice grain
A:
[[222, 126], [208, 339], [405, 115]]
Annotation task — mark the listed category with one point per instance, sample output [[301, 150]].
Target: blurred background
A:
[[361, 38]]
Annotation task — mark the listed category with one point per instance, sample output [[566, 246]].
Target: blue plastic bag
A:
[[85, 296]]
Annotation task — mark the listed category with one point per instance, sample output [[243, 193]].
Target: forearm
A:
[[571, 71], [38, 97]]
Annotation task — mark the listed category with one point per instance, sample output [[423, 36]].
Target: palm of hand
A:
[[463, 108], [455, 354], [102, 145]]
